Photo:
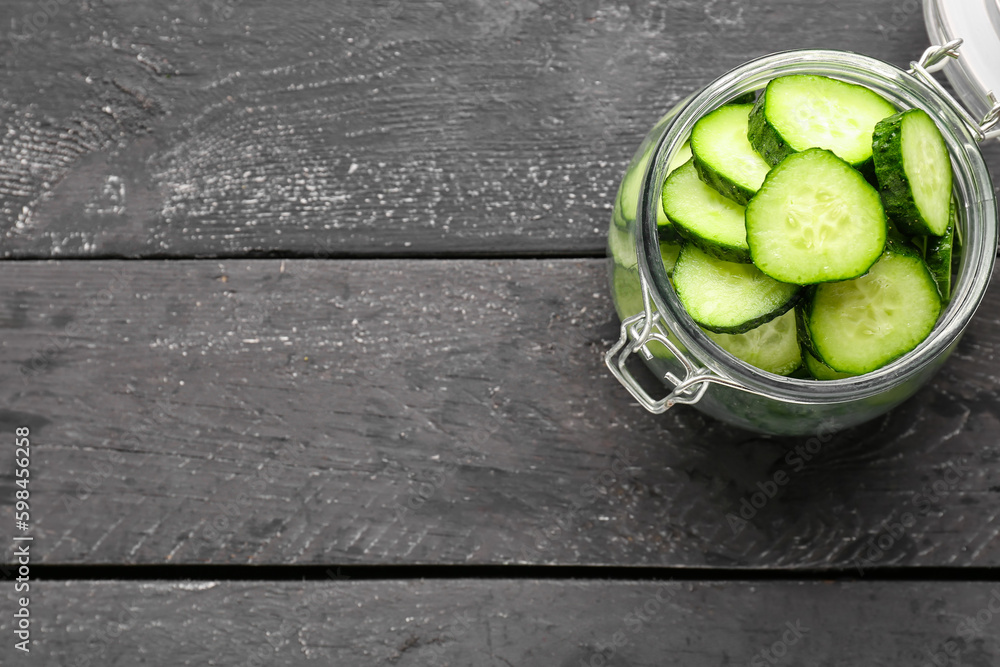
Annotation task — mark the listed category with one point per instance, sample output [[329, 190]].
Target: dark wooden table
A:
[[304, 306]]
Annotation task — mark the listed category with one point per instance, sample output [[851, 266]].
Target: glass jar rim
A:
[[978, 212]]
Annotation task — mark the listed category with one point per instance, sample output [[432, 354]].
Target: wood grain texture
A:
[[355, 128], [502, 623], [419, 411]]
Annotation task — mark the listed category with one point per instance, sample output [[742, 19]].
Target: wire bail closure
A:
[[933, 60], [636, 332]]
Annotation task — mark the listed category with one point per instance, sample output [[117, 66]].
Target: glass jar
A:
[[692, 367]]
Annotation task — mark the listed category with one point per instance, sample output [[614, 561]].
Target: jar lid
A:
[[977, 22]]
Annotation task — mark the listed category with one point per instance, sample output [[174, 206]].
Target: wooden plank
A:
[[510, 622], [363, 128], [417, 411]]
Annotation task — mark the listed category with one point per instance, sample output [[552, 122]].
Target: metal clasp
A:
[[933, 60], [636, 332]]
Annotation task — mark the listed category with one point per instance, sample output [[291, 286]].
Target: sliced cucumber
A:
[[704, 217], [859, 325], [723, 155], [680, 158], [621, 247], [626, 291], [815, 220], [621, 250], [669, 253], [914, 172], [829, 230], [820, 371], [625, 285], [617, 218], [664, 225], [938, 258], [627, 202], [628, 192], [618, 215], [772, 347], [803, 111], [728, 297]]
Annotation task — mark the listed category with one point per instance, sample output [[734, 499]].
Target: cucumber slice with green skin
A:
[[820, 371], [772, 347], [814, 220], [664, 225], [617, 218], [618, 215], [938, 258], [680, 158], [704, 217], [621, 250], [745, 98], [669, 253], [857, 326], [914, 172], [628, 192], [728, 297], [804, 111], [723, 155], [666, 233]]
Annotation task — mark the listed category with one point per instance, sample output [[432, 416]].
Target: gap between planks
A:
[[117, 572]]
